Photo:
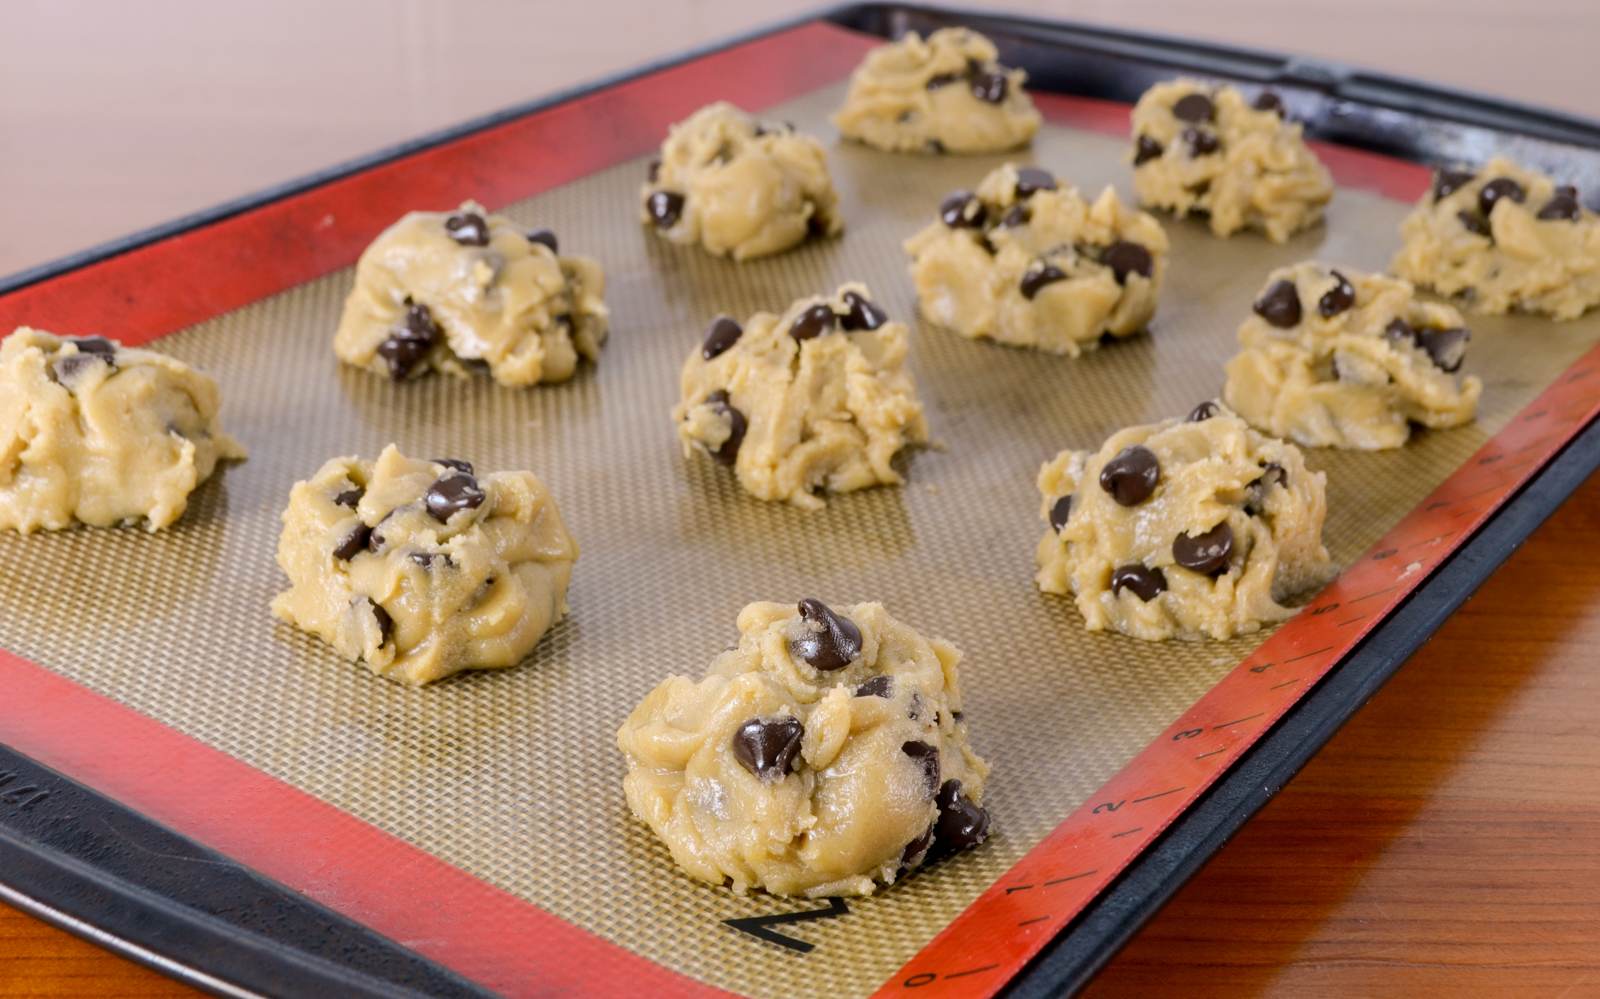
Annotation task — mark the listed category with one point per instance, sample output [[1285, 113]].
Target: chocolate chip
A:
[[1501, 187], [1398, 330], [828, 641], [917, 850], [1035, 278], [653, 170], [353, 543], [935, 146], [94, 345], [942, 80], [1146, 149], [737, 426], [426, 559], [1267, 100], [1146, 583], [1338, 298], [723, 333], [990, 87], [376, 541], [1194, 108], [1272, 474], [1205, 553], [1125, 257], [813, 322], [1203, 412], [665, 208], [961, 824], [544, 237], [1473, 222], [1060, 510], [768, 747], [928, 757], [1447, 182], [1015, 216], [65, 369], [1447, 348], [1279, 305], [453, 492], [863, 314], [1031, 180], [1131, 476], [350, 497], [878, 686], [1562, 205], [455, 463], [468, 229], [962, 210], [409, 342], [385, 622], [1201, 142]]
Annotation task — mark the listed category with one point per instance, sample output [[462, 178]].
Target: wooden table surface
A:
[[1447, 840]]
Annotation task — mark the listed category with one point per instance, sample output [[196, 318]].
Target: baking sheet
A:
[[514, 776]]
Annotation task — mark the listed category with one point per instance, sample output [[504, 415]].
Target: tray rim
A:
[[1091, 938]]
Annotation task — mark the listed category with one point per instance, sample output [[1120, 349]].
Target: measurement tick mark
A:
[[971, 971], [1284, 683], [1238, 721], [1308, 655], [1035, 919], [1354, 620], [1013, 888], [1070, 877], [1159, 794], [1212, 753], [1369, 596], [1126, 832]]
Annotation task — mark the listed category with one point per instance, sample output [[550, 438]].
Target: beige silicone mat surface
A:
[[514, 775]]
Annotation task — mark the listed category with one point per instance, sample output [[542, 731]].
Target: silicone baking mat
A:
[[481, 821]]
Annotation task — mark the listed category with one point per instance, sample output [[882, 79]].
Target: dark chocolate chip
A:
[[768, 747], [1267, 100], [1035, 278], [455, 463], [385, 622], [453, 492], [1473, 222], [350, 497], [828, 641], [723, 333], [1563, 205], [863, 313], [1203, 412], [961, 824], [1125, 257], [1272, 474], [1131, 476], [665, 208], [878, 686], [813, 322], [1447, 182], [942, 80], [737, 426], [376, 541], [991, 87], [1501, 187], [1447, 348], [1031, 180], [1338, 298], [1146, 149], [1060, 510], [65, 369], [468, 229], [917, 850], [410, 341], [1279, 305], [935, 146], [1146, 583], [1015, 216], [353, 543], [1201, 142], [1398, 329], [426, 559], [962, 210], [928, 757], [545, 237], [653, 171], [1194, 108], [94, 345], [1205, 553]]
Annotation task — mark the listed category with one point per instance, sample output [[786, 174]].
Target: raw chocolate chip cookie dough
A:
[[1029, 262], [823, 755], [817, 399], [1340, 358], [1208, 151], [738, 187], [423, 568], [98, 433], [468, 291], [945, 94], [1504, 239], [1192, 529]]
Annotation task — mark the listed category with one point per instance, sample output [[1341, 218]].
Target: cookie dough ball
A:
[[822, 756], [1504, 239], [1028, 261], [102, 434], [422, 569], [817, 399], [1208, 151], [945, 94], [1341, 358], [1192, 529], [738, 187], [468, 291]]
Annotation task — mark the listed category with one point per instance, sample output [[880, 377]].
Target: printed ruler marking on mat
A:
[[989, 943], [759, 926]]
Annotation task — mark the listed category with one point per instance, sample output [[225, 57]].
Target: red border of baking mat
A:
[[511, 945]]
